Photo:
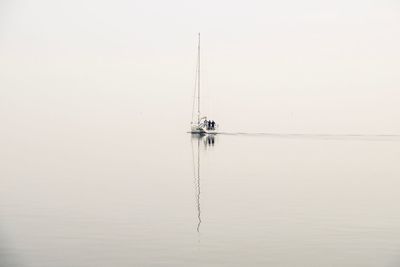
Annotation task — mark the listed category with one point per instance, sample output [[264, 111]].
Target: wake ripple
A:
[[373, 137]]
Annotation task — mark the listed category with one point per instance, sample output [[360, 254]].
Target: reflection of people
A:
[[209, 141]]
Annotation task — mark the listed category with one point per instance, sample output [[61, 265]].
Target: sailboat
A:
[[202, 125]]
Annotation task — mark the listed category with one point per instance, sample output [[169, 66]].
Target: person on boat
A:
[[213, 124], [206, 122], [209, 125]]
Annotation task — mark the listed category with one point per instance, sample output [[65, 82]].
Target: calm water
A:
[[122, 198]]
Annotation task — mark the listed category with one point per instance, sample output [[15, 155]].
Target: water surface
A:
[[115, 198]]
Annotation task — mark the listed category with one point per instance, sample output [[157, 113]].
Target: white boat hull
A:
[[198, 129]]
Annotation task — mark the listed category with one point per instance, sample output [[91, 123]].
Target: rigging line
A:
[[198, 83], [195, 91]]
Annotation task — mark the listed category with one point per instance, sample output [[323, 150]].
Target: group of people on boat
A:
[[210, 124]]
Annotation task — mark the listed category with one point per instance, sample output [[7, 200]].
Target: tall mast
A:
[[198, 82]]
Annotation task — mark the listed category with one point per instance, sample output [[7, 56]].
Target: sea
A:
[[83, 196]]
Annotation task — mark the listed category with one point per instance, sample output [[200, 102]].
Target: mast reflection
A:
[[208, 141]]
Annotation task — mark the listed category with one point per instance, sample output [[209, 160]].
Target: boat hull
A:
[[195, 129]]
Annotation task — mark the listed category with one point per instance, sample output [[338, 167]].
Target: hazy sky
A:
[[273, 66]]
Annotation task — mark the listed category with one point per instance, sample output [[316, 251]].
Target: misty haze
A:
[[125, 141]]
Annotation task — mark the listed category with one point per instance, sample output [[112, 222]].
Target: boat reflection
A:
[[207, 141]]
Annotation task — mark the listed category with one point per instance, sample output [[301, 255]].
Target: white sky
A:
[[276, 66]]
